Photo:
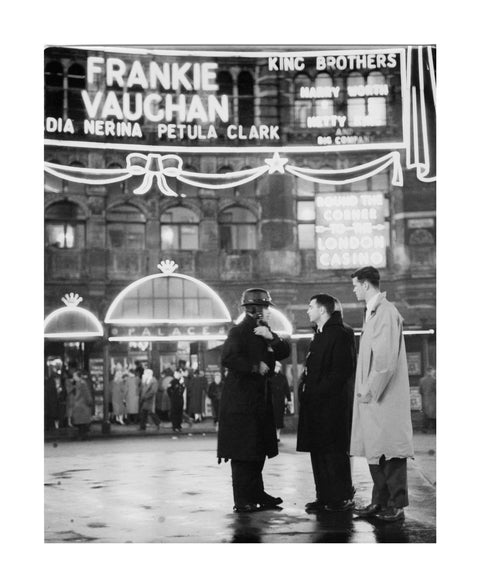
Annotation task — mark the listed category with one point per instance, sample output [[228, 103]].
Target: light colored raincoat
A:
[[382, 423]]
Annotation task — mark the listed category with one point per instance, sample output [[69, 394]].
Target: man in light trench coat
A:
[[382, 425]]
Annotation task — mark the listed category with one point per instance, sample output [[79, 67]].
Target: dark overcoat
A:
[[324, 421], [51, 399], [175, 392], [280, 393], [246, 423], [82, 404], [196, 395]]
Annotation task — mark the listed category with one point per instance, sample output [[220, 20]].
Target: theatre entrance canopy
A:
[[72, 323], [167, 306]]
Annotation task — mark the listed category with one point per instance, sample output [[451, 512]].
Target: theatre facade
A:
[[279, 167]]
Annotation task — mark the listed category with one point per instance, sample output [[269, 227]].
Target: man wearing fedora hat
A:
[[246, 433]]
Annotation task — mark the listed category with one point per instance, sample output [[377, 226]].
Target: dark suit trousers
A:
[[247, 481], [390, 483], [144, 414], [333, 477]]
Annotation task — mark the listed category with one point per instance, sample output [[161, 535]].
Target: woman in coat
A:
[[197, 391], [215, 394], [118, 395], [132, 393], [82, 405], [246, 432]]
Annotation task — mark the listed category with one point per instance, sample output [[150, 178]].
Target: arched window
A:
[[179, 229], [302, 103], [367, 103], [245, 99], [377, 104], [323, 106], [238, 229], [355, 105], [64, 226], [75, 85], [54, 89], [125, 228], [224, 83]]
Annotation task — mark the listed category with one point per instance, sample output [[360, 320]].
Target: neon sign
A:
[[118, 316], [171, 97], [72, 322], [350, 230], [142, 78]]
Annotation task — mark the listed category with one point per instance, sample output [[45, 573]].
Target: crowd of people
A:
[[69, 398], [136, 397]]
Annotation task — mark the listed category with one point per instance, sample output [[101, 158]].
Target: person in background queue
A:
[[82, 404], [281, 396], [175, 392], [215, 394], [382, 425], [428, 391], [51, 399], [147, 400], [323, 425], [246, 433], [131, 396], [196, 395]]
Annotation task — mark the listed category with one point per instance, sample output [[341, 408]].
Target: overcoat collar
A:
[[379, 301], [334, 320]]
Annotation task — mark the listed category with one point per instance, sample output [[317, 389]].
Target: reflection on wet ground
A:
[[158, 490]]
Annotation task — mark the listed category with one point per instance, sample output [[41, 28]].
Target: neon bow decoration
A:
[[160, 167], [154, 166]]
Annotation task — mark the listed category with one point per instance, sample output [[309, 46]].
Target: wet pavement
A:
[[164, 489]]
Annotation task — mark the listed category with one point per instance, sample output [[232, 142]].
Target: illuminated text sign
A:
[[175, 100], [350, 230]]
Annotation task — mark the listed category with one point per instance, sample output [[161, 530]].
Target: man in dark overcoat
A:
[[246, 433], [351, 380], [324, 419]]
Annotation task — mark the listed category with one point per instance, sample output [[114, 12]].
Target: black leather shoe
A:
[[340, 506], [391, 515], [248, 508], [367, 512], [315, 506], [269, 501]]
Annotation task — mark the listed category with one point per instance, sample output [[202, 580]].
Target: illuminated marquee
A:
[[350, 230], [174, 101], [157, 97]]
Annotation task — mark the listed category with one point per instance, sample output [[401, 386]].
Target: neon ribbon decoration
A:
[[159, 167], [152, 167], [357, 173]]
